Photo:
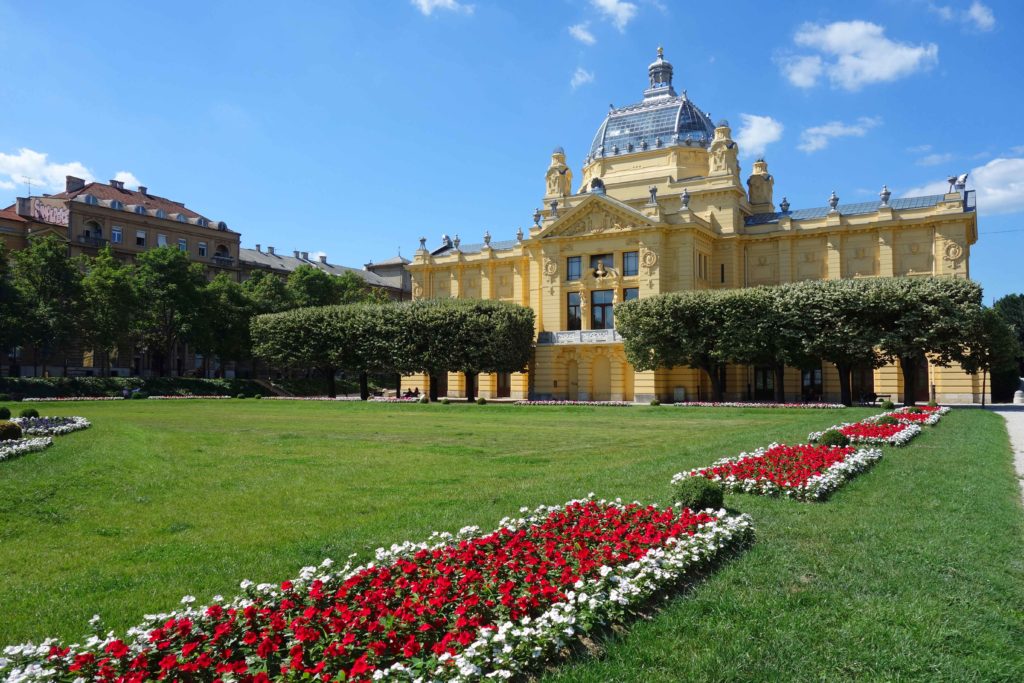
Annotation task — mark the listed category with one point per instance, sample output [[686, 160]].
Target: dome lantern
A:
[[660, 73]]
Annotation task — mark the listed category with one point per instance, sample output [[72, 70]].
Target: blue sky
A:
[[354, 128]]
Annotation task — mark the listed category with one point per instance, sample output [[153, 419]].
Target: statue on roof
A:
[[559, 175]]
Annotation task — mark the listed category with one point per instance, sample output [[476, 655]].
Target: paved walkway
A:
[[1014, 416]]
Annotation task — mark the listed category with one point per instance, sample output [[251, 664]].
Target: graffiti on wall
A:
[[54, 212]]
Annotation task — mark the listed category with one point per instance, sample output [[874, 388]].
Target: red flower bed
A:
[[781, 464], [870, 430], [424, 606]]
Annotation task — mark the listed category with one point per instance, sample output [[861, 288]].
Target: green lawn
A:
[[912, 571]]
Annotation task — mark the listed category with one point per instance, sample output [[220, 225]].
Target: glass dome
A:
[[663, 118]]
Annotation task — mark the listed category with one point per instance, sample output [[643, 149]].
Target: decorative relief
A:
[[649, 259], [596, 222], [551, 268], [417, 290], [953, 252]]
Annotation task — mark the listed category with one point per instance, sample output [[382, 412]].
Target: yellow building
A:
[[662, 207]]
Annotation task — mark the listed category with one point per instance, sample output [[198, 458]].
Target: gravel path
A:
[[1014, 416]]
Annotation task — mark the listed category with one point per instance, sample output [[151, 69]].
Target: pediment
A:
[[46, 230], [596, 215]]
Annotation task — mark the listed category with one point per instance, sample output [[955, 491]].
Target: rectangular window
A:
[[631, 263], [572, 317], [182, 245], [140, 238], [630, 293], [115, 235], [811, 385], [161, 240], [601, 317], [606, 259], [202, 248], [573, 268]]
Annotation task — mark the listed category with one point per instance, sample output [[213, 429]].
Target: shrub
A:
[[887, 405], [28, 412], [834, 437], [424, 399], [698, 493], [656, 402], [887, 420], [257, 396], [5, 397], [912, 410], [139, 394], [933, 404], [481, 401], [9, 431], [240, 396], [445, 401], [5, 413]]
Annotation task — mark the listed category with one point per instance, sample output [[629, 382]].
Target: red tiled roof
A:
[[126, 196], [9, 214]]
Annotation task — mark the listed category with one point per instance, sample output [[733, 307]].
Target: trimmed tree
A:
[[109, 299], [920, 318], [994, 350], [678, 329], [1011, 309], [10, 307], [308, 338]]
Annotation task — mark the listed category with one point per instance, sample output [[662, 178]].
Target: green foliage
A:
[[28, 412], [49, 289], [834, 437], [223, 329], [5, 413], [887, 420], [1011, 309], [10, 304], [240, 396], [655, 402], [59, 387], [258, 396], [481, 401], [445, 401], [267, 293], [171, 289], [933, 404], [698, 493], [109, 301], [9, 431], [887, 405], [424, 399], [139, 395], [995, 349]]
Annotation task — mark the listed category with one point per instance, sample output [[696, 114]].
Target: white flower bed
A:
[[311, 398], [815, 487], [932, 419], [756, 404], [900, 438], [509, 651], [50, 426], [184, 397], [18, 447], [72, 398], [613, 404]]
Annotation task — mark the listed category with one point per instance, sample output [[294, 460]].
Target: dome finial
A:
[[661, 52]]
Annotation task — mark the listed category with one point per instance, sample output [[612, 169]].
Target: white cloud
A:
[[7, 185], [1019, 149], [818, 137], [803, 72], [934, 159], [919, 149], [981, 16], [854, 54], [756, 133], [945, 12], [580, 77], [999, 184], [43, 174], [581, 32], [618, 12], [427, 7], [128, 178]]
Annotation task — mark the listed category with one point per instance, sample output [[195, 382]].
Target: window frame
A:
[[161, 240], [573, 268], [141, 235], [182, 244], [116, 234], [607, 316], [630, 263], [625, 293], [202, 249], [573, 322]]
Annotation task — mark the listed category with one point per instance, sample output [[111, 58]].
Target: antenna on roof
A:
[[27, 181], [399, 252]]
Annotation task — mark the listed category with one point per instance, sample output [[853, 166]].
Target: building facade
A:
[[662, 207]]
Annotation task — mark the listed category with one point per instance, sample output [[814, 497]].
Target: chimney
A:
[[142, 189], [258, 249], [24, 205], [73, 184], [117, 184], [323, 258], [305, 256], [270, 250], [297, 253]]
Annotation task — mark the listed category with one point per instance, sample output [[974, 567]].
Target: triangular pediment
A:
[[596, 215], [41, 230]]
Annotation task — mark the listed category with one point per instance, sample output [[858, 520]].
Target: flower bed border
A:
[[77, 424], [817, 487], [9, 450], [510, 650], [900, 438], [757, 404], [603, 404]]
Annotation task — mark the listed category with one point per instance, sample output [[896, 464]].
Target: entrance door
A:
[[764, 384], [811, 385], [504, 384], [441, 379]]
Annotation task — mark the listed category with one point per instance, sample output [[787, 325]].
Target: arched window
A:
[[160, 213], [93, 230], [181, 218], [221, 251], [116, 204], [202, 222], [90, 200], [140, 209]]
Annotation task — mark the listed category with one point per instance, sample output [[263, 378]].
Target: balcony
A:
[[90, 241], [223, 261], [578, 337]]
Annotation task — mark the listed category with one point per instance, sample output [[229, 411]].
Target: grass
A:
[[912, 571]]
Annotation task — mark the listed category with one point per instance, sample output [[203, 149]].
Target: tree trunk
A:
[[364, 386], [909, 368], [332, 386], [780, 382], [470, 386], [984, 375], [845, 371], [432, 380], [715, 374]]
